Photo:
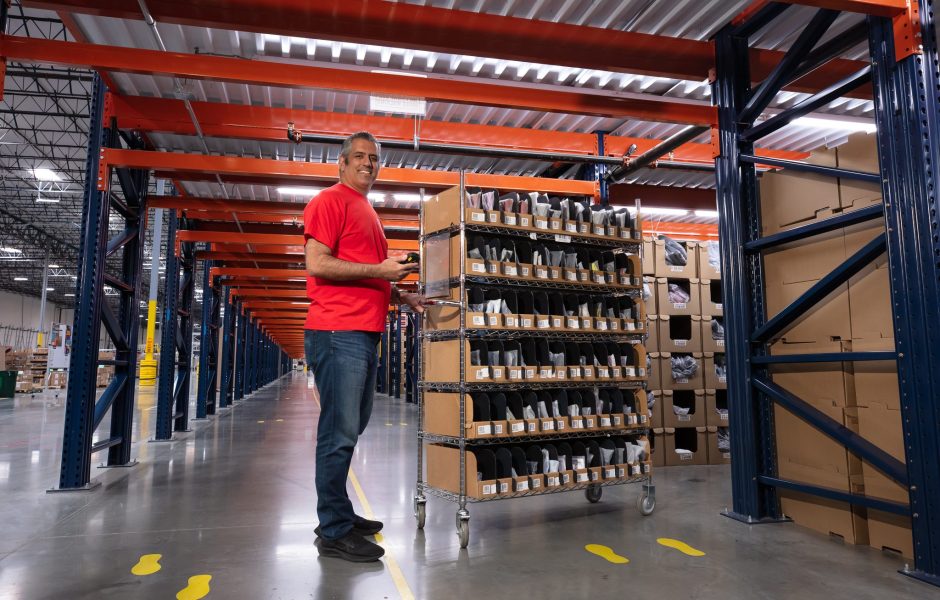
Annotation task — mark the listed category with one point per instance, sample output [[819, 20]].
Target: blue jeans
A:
[[344, 366]]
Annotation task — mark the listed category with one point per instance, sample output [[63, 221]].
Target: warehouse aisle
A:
[[230, 506]]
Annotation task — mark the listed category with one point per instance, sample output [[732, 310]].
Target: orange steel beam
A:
[[258, 72], [270, 239], [274, 273], [294, 252], [194, 204], [434, 29], [184, 164], [298, 294], [878, 8], [251, 257]]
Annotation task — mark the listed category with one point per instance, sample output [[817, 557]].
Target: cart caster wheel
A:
[[646, 504], [593, 493], [463, 528], [420, 511]]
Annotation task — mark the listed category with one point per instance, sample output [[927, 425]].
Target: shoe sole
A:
[[357, 531], [335, 553]]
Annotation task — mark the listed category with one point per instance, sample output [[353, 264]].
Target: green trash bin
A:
[[7, 384]]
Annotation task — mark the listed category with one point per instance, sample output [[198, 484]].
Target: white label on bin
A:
[[511, 271], [610, 473], [605, 422], [522, 486], [625, 233], [489, 490], [494, 320], [563, 239], [559, 425], [572, 227], [617, 421], [478, 320], [532, 427], [548, 426], [643, 418], [594, 475], [589, 423], [484, 429], [719, 306], [571, 276], [616, 372], [523, 221], [685, 417], [543, 323], [557, 322], [546, 373], [720, 343], [587, 372], [642, 371], [511, 321], [634, 469], [603, 372], [503, 488], [574, 324], [525, 271], [478, 217], [621, 472], [630, 325], [574, 372], [577, 424], [682, 380], [529, 373], [629, 372], [675, 269], [493, 217], [583, 477], [497, 372], [678, 305], [726, 455], [600, 278], [624, 281], [526, 323], [552, 481], [600, 231], [723, 379], [560, 374], [685, 456], [536, 484], [478, 268], [541, 273], [646, 468], [723, 416], [492, 269], [632, 419], [540, 224], [497, 429], [515, 374], [566, 479], [509, 220], [483, 373], [680, 342], [601, 325], [556, 225], [517, 427]]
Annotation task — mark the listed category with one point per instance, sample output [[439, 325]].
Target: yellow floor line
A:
[[680, 546], [607, 553], [198, 588], [147, 565], [404, 590]]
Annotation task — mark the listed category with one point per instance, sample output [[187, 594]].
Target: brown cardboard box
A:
[[696, 382], [442, 363], [828, 517], [654, 371], [875, 383], [694, 439], [709, 343], [658, 447], [711, 299], [870, 302], [827, 322], [443, 210], [649, 265], [714, 400], [705, 269], [790, 198], [656, 420], [442, 417], [694, 400], [712, 380], [692, 307], [716, 456], [444, 472], [651, 300], [680, 333], [3, 357], [652, 329], [661, 269], [859, 153]]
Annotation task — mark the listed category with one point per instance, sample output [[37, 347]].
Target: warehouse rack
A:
[[905, 78], [593, 490]]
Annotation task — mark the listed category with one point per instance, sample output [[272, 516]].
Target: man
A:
[[349, 279]]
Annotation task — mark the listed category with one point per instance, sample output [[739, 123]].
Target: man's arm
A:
[[321, 263]]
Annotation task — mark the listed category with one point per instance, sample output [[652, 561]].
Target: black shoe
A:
[[363, 527], [351, 547]]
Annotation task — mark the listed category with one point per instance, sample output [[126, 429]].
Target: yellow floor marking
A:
[[680, 546], [198, 588], [147, 565], [262, 421], [607, 553]]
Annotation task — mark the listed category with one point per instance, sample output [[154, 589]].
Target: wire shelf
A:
[[452, 497], [565, 237], [554, 436], [434, 386], [606, 289], [513, 334]]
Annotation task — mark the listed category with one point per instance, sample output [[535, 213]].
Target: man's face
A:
[[361, 168]]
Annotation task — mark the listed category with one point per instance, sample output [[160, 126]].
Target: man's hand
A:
[[417, 302], [392, 270]]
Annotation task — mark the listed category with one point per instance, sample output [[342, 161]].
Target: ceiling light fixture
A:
[[21, 279], [710, 214], [407, 197], [44, 174], [298, 191], [11, 250], [817, 123], [54, 267], [666, 212]]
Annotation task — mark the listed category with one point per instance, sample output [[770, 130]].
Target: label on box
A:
[[543, 323], [720, 343], [548, 426], [497, 429], [571, 276], [685, 456], [552, 481], [515, 374], [634, 469], [595, 476], [643, 419], [587, 372], [719, 306], [646, 467], [603, 372], [566, 478], [618, 421], [723, 379], [624, 281], [483, 373], [726, 455], [497, 372], [478, 217], [489, 489], [541, 272], [525, 323], [625, 234], [589, 422], [503, 488], [509, 219], [559, 425], [511, 321], [616, 372], [511, 271], [577, 423], [531, 427], [484, 429], [676, 269], [629, 372], [723, 416], [557, 322], [574, 323], [583, 477], [546, 373], [601, 325], [523, 221], [529, 373], [679, 305], [572, 227], [615, 325], [574, 372], [584, 228], [493, 217], [610, 473], [621, 472], [600, 230], [493, 320], [682, 380], [524, 271], [586, 323], [478, 320], [584, 276], [557, 225], [522, 486], [478, 268], [560, 374], [536, 484], [631, 419], [684, 417], [630, 325], [541, 224], [642, 371], [605, 421], [680, 342], [492, 269], [516, 427], [599, 278]]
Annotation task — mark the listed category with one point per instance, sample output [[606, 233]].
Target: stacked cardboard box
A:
[[856, 317], [684, 332]]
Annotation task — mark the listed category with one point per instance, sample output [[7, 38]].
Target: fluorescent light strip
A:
[[817, 123], [651, 210], [710, 214], [298, 191]]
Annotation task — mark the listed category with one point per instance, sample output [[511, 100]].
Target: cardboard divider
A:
[[717, 456], [713, 380], [716, 400], [648, 262], [710, 296], [652, 330], [654, 371], [709, 343], [705, 269], [443, 471], [658, 447]]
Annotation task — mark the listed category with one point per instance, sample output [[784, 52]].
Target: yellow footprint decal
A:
[[680, 546], [147, 565], [607, 554], [198, 588]]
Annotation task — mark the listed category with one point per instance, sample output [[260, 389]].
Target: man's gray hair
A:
[[359, 135]]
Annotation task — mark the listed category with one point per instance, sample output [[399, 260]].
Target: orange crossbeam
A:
[[267, 239], [183, 165], [245, 292], [272, 273], [878, 8], [257, 72], [249, 257], [190, 204]]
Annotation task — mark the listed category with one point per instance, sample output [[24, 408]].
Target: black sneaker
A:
[[351, 547], [363, 527]]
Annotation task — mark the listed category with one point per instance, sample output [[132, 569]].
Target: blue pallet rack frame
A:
[[83, 414], [210, 327], [907, 100], [227, 344]]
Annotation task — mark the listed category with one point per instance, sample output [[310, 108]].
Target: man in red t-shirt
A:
[[349, 277]]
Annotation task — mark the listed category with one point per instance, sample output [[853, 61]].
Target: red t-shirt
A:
[[342, 219]]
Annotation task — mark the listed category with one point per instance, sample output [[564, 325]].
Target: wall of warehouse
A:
[[21, 311]]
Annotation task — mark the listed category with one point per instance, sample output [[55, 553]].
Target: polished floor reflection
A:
[[229, 508]]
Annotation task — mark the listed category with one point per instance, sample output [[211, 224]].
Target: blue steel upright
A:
[[227, 342], [239, 338], [209, 345]]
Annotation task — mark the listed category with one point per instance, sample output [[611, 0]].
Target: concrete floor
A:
[[234, 499]]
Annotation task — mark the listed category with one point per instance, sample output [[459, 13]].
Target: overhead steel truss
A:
[[906, 84]]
